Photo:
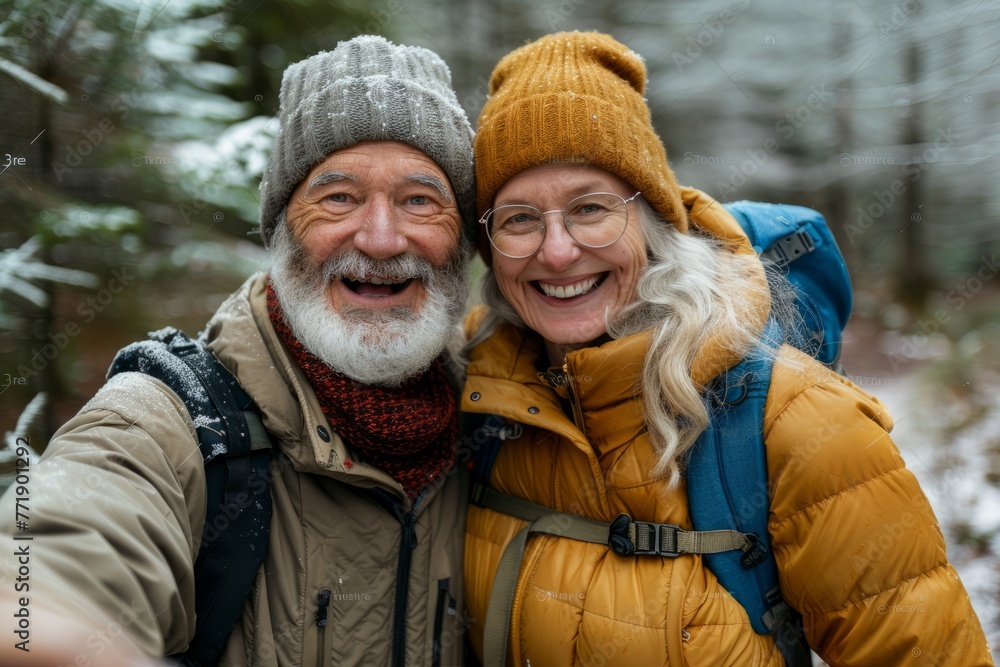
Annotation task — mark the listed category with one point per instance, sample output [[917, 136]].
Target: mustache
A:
[[356, 265], [292, 260]]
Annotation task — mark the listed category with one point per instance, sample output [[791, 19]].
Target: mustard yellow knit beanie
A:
[[573, 97]]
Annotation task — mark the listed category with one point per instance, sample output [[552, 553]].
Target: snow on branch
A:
[[34, 411], [18, 269], [33, 81]]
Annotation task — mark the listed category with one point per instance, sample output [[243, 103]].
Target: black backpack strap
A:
[[237, 452], [488, 433]]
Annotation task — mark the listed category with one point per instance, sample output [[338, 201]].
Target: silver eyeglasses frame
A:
[[484, 220]]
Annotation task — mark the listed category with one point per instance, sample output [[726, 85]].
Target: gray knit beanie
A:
[[367, 89]]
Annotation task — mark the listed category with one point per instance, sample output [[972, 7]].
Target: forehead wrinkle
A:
[[327, 177], [432, 181]]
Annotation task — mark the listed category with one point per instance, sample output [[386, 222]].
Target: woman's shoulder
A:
[[824, 435], [798, 380]]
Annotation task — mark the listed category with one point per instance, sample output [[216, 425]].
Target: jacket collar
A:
[[504, 378]]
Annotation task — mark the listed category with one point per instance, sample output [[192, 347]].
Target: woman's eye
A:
[[588, 209]]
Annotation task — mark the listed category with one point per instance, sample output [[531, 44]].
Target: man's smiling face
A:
[[369, 266], [384, 199]]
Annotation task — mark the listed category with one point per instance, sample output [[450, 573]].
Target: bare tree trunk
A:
[[839, 199], [913, 273]]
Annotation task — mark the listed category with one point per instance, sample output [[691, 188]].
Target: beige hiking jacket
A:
[[118, 508]]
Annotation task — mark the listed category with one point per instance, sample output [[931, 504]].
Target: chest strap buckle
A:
[[640, 538]]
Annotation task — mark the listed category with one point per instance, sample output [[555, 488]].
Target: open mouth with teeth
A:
[[571, 290], [376, 286]]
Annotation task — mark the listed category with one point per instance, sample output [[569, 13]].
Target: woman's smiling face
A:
[[565, 290]]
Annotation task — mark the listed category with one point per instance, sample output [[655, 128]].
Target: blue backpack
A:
[[727, 469]]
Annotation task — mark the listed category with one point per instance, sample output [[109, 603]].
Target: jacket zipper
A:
[[322, 620], [444, 599], [407, 543]]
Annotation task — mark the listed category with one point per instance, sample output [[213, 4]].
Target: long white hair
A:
[[693, 288]]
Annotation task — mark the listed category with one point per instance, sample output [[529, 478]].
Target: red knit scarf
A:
[[408, 431]]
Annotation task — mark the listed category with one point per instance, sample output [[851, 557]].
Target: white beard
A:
[[379, 347]]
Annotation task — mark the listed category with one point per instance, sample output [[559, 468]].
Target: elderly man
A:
[[341, 347]]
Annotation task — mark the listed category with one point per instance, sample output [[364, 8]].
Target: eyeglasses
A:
[[595, 220]]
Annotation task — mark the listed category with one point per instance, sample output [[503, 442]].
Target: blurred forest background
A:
[[134, 134]]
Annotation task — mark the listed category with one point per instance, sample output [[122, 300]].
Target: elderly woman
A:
[[614, 298]]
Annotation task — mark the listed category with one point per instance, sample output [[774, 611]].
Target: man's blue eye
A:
[[339, 198], [418, 200]]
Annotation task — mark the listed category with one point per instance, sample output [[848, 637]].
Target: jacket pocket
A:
[[446, 607], [322, 621]]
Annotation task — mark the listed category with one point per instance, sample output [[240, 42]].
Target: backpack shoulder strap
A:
[[727, 485], [627, 538], [488, 434], [236, 449], [729, 504]]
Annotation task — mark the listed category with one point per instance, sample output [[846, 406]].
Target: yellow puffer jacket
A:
[[859, 550]]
